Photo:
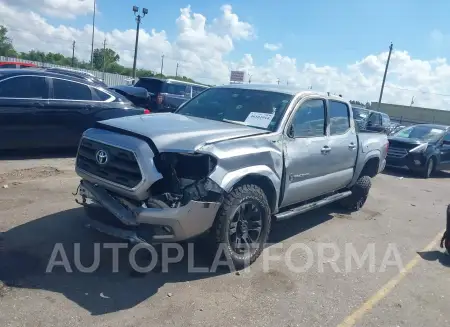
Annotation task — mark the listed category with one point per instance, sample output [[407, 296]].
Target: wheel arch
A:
[[265, 184], [369, 166]]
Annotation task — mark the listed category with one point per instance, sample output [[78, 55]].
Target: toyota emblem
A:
[[101, 156]]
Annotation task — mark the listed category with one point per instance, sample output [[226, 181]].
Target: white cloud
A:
[[202, 49], [229, 24], [55, 8], [272, 47]]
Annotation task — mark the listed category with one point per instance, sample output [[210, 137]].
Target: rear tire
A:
[[360, 192], [245, 214]]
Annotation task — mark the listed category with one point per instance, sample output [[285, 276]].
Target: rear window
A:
[[178, 89], [151, 85]]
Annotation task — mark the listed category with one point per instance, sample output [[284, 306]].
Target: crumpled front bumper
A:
[[139, 224]]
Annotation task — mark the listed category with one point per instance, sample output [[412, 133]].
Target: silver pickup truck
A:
[[225, 165]]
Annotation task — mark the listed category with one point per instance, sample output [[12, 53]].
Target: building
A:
[[410, 114]]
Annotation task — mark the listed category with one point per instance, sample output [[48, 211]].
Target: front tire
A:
[[242, 225], [429, 168], [360, 192]]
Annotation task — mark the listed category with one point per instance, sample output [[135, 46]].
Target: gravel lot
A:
[[37, 210]]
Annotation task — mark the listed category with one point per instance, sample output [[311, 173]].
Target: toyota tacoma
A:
[[225, 165]]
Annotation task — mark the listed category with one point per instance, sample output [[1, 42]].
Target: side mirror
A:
[[291, 132]]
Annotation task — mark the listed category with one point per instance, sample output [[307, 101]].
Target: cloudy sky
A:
[[337, 46]]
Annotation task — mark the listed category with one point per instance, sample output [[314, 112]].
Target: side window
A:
[[197, 89], [178, 89], [309, 120], [385, 119], [339, 117], [9, 66], [447, 138], [28, 87], [67, 90], [100, 95], [375, 119]]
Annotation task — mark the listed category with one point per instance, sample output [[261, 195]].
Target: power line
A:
[[419, 91]]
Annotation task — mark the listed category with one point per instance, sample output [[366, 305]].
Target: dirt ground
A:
[[404, 213]]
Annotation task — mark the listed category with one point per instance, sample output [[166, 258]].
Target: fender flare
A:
[[229, 179], [359, 167]]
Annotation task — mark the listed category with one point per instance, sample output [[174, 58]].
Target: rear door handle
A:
[[351, 146], [326, 149]]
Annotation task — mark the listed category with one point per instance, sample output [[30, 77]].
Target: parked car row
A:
[[52, 107]]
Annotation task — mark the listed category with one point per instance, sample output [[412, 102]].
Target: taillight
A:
[[147, 111], [159, 99]]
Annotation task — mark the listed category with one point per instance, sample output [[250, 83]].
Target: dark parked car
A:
[[77, 73], [360, 116], [43, 109], [166, 95], [378, 122], [421, 148], [371, 121], [137, 95]]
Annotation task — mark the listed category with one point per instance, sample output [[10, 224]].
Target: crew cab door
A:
[[69, 113], [343, 144], [20, 98], [306, 152]]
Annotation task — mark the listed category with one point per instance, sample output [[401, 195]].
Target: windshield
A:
[[359, 113], [423, 133], [261, 109]]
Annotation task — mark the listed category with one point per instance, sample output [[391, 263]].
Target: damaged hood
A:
[[178, 133]]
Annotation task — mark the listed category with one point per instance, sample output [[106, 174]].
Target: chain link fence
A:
[[108, 78]]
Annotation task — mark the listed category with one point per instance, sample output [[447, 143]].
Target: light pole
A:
[[93, 31], [138, 21]]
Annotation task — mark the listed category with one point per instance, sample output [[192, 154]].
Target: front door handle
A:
[[352, 146], [326, 149]]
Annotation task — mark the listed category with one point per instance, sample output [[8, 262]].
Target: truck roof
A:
[[287, 89]]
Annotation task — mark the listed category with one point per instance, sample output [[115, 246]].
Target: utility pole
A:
[[412, 101], [278, 81], [104, 58], [73, 53], [249, 78], [138, 22], [176, 72], [162, 64], [93, 31], [385, 74]]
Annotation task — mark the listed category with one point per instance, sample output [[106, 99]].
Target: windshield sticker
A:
[[259, 119]]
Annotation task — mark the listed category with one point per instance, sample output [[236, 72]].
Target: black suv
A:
[[422, 148], [44, 109], [166, 95]]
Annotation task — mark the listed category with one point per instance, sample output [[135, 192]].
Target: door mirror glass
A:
[[446, 139], [291, 132]]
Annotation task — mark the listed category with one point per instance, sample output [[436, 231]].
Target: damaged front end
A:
[[175, 199]]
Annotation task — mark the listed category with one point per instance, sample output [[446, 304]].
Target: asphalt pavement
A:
[[401, 222]]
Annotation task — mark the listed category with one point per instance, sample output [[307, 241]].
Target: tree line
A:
[[110, 57]]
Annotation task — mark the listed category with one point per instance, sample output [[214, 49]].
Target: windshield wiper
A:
[[234, 122]]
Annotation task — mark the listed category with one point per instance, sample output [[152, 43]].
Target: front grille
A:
[[121, 168], [396, 152]]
